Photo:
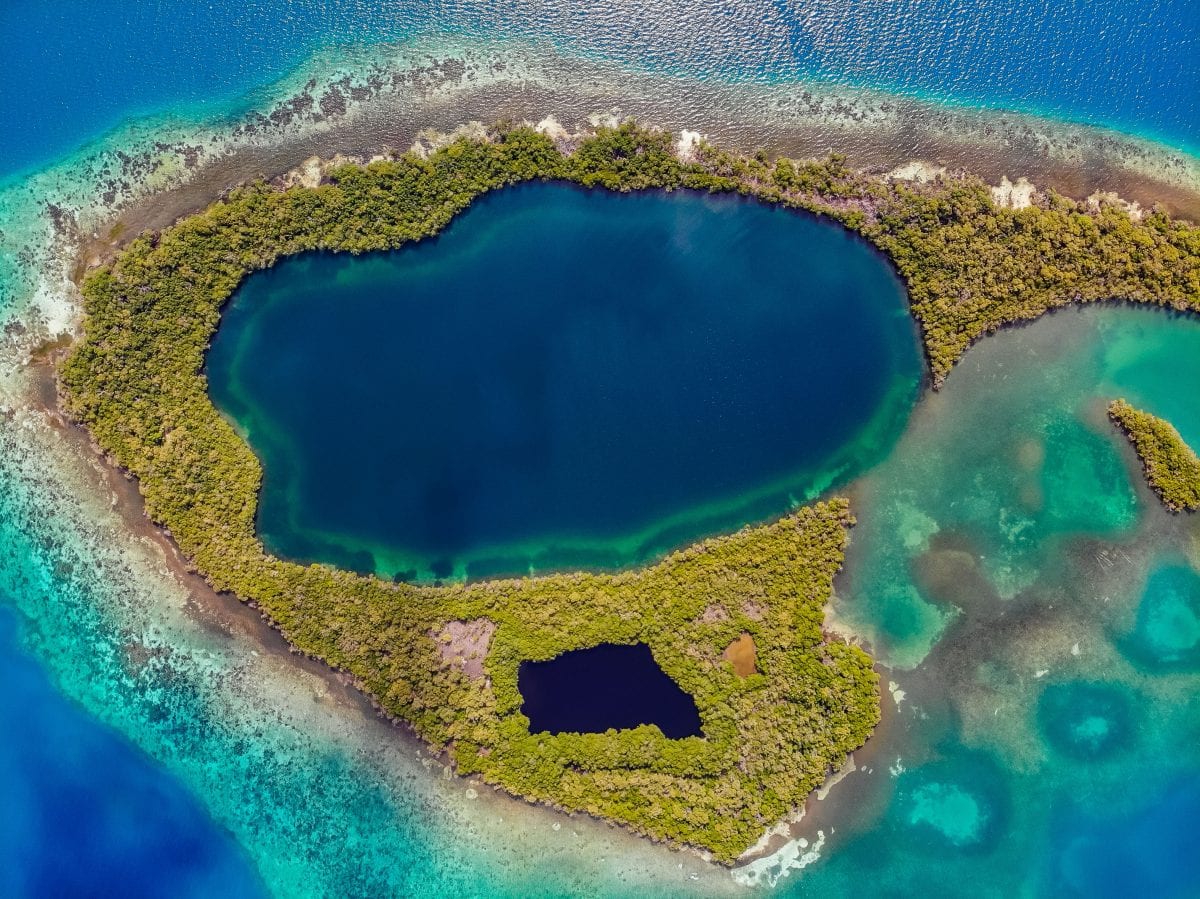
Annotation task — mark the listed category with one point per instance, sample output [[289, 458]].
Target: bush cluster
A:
[[1171, 467]]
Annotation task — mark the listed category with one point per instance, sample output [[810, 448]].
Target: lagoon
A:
[[563, 378]]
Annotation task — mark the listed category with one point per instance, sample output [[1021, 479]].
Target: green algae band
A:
[[562, 378]]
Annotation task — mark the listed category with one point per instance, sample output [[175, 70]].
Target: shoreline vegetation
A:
[[1171, 467], [971, 266]]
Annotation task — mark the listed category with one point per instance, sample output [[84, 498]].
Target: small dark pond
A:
[[606, 686]]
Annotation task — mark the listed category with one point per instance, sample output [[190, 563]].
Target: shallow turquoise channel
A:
[[563, 378]]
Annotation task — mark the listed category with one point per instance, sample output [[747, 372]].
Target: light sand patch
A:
[[1017, 195], [306, 174], [837, 777], [610, 119], [430, 139], [553, 129], [792, 856], [688, 143], [781, 829], [1102, 198], [917, 171]]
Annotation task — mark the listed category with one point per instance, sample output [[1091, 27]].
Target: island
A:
[[1170, 465], [735, 621]]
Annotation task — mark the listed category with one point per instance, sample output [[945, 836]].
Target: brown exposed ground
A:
[[465, 644], [740, 654]]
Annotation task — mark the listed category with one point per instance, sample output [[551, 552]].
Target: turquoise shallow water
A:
[[1037, 607], [1044, 743], [563, 378], [1041, 611], [321, 799]]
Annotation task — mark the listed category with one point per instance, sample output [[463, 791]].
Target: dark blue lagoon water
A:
[[589, 691], [564, 377]]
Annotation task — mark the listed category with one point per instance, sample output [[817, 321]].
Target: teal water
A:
[[1039, 610], [1042, 632], [132, 818], [563, 378], [321, 799]]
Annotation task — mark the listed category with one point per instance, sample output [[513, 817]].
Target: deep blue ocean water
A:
[[85, 66], [563, 378], [85, 813], [987, 787]]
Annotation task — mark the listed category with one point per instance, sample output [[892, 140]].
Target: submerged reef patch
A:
[[1085, 720], [136, 382], [1166, 632], [958, 806]]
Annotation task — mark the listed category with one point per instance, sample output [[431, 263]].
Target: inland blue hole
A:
[[605, 687]]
